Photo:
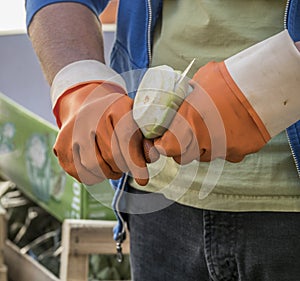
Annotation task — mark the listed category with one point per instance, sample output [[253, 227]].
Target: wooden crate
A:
[[3, 268], [3, 273], [23, 267], [80, 238]]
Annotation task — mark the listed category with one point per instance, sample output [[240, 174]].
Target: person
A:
[[222, 201]]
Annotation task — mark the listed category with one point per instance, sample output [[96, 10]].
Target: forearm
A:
[[64, 33]]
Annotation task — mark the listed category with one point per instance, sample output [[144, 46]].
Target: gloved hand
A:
[[211, 122], [237, 105], [98, 138]]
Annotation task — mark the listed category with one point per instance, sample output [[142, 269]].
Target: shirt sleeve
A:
[[33, 6]]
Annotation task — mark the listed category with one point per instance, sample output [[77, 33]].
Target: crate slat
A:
[[81, 238], [22, 267]]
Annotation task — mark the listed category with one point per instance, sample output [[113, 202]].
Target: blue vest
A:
[[292, 23]]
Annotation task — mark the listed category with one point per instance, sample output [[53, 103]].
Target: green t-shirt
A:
[[214, 30]]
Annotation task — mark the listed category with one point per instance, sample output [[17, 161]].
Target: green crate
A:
[[27, 159]]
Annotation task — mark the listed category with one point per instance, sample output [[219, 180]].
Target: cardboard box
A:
[[26, 158]]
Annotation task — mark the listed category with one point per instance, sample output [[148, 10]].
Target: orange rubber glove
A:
[[98, 138], [237, 105], [214, 121]]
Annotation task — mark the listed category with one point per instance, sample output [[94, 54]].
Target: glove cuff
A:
[[268, 76], [225, 110], [82, 72], [243, 101]]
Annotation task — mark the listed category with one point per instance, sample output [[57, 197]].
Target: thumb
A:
[[151, 155], [150, 152]]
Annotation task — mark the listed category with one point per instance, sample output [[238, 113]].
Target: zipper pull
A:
[[119, 254]]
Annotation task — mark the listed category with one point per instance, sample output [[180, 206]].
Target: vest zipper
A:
[[121, 235], [286, 13], [288, 137], [149, 30], [293, 154]]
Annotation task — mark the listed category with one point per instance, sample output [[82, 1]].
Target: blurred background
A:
[[12, 15], [21, 78]]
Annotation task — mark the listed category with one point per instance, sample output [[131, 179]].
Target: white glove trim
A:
[[82, 71], [268, 74]]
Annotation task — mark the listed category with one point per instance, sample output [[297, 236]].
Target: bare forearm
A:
[[63, 33]]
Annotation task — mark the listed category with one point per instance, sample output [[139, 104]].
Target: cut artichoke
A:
[[158, 99]]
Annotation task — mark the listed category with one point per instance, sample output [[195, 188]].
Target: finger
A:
[[91, 158], [127, 141], [69, 160], [176, 139], [108, 171], [89, 154], [94, 122], [130, 143], [137, 163], [141, 182], [150, 152], [109, 156], [167, 145], [234, 157], [191, 153]]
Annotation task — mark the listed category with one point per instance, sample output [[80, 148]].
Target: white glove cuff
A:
[[268, 74], [82, 71]]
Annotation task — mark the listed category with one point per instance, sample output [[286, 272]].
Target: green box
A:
[[27, 159]]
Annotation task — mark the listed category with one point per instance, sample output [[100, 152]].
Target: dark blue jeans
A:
[[188, 244]]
